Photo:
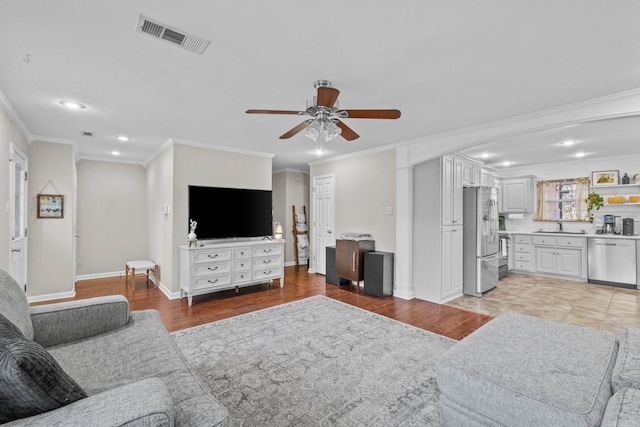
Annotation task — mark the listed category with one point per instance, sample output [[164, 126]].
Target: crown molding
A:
[[289, 170], [112, 160], [13, 115], [216, 147]]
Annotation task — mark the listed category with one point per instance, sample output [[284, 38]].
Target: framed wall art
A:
[[611, 177], [50, 206]]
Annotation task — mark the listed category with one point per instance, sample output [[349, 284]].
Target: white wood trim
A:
[[49, 297], [99, 275]]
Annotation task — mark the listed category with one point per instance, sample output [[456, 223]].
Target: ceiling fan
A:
[[325, 115]]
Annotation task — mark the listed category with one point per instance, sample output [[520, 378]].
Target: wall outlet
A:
[[388, 210]]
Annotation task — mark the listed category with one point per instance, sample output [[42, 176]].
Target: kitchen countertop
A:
[[591, 235]]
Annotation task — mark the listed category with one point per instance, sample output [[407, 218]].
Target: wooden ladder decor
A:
[[300, 228]]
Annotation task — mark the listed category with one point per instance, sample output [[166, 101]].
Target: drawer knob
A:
[[266, 261], [212, 281], [266, 250], [267, 272], [213, 256], [213, 268]]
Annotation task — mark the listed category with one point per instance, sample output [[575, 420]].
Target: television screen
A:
[[230, 212]]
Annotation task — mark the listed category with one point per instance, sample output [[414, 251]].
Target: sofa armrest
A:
[[66, 322], [143, 403]]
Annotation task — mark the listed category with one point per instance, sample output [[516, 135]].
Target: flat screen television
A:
[[223, 213]]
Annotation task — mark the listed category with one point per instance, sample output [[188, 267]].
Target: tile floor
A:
[[602, 307]]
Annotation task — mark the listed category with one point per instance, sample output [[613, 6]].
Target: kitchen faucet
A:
[[560, 224]]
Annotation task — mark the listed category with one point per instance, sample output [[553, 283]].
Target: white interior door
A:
[[323, 213], [18, 215]]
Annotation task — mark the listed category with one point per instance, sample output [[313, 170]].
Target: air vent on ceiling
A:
[[85, 133], [173, 35]]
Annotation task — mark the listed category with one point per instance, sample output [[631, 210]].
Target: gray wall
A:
[[365, 185], [112, 212], [51, 263], [289, 188]]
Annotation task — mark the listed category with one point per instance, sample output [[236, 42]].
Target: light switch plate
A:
[[388, 210]]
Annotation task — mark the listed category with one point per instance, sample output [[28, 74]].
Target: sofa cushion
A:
[[14, 305], [31, 380], [623, 409], [523, 370], [626, 373], [142, 349]]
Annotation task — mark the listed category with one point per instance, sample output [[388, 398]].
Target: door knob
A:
[[328, 231]]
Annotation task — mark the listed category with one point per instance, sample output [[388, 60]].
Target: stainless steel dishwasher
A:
[[612, 261]]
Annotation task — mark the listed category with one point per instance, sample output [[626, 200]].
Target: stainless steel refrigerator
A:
[[480, 240]]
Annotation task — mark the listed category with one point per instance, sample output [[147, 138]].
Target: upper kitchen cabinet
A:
[[471, 173], [517, 195], [451, 195]]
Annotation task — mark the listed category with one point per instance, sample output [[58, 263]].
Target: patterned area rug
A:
[[318, 361]]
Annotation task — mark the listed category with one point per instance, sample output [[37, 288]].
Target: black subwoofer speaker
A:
[[378, 273]]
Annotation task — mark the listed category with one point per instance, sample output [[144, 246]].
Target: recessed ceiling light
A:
[[318, 151], [484, 155], [580, 154], [115, 153], [507, 163], [123, 138], [569, 142], [72, 105]]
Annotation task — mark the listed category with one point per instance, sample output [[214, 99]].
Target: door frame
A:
[[314, 211], [13, 152]]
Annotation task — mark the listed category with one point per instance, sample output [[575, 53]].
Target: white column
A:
[[404, 226]]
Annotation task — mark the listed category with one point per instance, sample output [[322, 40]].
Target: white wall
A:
[[365, 185], [9, 133], [51, 171], [112, 217], [578, 168], [159, 180]]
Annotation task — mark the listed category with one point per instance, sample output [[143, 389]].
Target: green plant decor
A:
[[594, 200]]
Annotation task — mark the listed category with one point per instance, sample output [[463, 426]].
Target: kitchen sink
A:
[[561, 232]]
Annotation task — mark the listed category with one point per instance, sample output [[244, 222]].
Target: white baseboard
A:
[[404, 292], [48, 297], [99, 275], [168, 293]]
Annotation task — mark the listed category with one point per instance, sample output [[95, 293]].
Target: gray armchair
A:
[[125, 363]]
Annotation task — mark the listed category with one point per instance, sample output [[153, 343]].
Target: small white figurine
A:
[[192, 233]]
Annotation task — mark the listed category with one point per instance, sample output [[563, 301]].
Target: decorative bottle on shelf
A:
[[625, 178]]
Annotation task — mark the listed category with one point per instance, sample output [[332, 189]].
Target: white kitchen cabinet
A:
[[565, 262], [518, 195], [471, 173], [451, 191], [451, 245], [522, 253]]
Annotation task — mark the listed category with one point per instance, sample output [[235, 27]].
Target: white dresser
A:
[[218, 266]]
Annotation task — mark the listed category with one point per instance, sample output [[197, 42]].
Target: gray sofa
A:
[[96, 363], [520, 370]]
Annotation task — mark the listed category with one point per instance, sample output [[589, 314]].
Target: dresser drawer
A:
[[522, 266], [267, 273], [522, 256], [242, 264], [519, 247], [241, 253], [211, 268], [267, 250], [242, 276], [266, 261], [574, 242], [212, 281], [544, 240], [212, 255], [520, 238]]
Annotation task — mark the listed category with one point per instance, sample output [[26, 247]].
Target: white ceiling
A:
[[445, 64]]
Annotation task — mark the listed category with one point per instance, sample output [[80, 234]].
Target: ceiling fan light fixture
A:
[[332, 131], [313, 130]]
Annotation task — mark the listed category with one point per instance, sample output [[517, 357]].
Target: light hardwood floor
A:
[[602, 307]]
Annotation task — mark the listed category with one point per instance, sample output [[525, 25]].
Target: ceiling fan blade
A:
[[327, 96], [347, 132], [273, 112], [373, 114], [295, 130]]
